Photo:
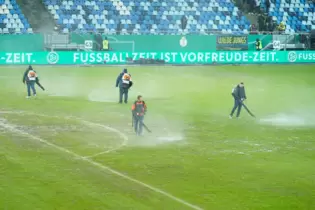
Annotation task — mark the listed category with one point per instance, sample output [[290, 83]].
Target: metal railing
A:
[[166, 32], [178, 32], [88, 41]]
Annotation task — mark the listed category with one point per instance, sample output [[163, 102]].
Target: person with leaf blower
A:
[[124, 82], [30, 78], [239, 96], [139, 109]]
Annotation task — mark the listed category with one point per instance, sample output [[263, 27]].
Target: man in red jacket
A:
[[139, 109]]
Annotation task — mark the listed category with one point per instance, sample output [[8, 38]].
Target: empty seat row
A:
[[159, 16], [11, 18], [296, 14]]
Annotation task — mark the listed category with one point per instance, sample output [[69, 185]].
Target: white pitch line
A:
[[101, 153], [12, 128], [122, 135]]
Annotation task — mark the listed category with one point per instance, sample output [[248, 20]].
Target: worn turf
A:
[[55, 149]]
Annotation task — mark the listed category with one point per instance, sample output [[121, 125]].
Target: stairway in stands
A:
[[37, 15]]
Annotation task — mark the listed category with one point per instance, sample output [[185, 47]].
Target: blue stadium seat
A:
[[154, 16], [297, 15], [11, 18]]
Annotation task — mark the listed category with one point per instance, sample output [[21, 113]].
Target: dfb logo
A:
[[88, 44], [52, 57], [292, 56], [276, 44]]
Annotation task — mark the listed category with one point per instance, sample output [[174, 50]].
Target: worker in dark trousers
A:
[[139, 109], [124, 82], [239, 96], [30, 78]]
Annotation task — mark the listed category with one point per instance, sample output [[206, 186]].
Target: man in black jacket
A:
[[30, 78], [124, 82], [239, 96]]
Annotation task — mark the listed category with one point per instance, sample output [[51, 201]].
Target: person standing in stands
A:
[[267, 5], [98, 41], [253, 29], [282, 27], [261, 23], [183, 22]]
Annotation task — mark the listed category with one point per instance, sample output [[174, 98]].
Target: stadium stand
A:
[[148, 17], [298, 15], [11, 18], [157, 16]]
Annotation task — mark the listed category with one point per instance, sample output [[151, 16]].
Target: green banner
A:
[[265, 40], [232, 42], [223, 57], [21, 42], [301, 56], [145, 43]]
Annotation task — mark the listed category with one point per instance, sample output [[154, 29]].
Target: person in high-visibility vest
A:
[[258, 45], [282, 27], [105, 44]]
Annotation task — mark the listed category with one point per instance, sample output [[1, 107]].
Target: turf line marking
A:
[[123, 136], [13, 129], [88, 123]]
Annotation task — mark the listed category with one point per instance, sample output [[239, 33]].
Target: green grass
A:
[[220, 164]]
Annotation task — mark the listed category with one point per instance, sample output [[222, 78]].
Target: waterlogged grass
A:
[[195, 152]]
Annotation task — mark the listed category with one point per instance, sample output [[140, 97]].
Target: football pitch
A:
[[73, 146]]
